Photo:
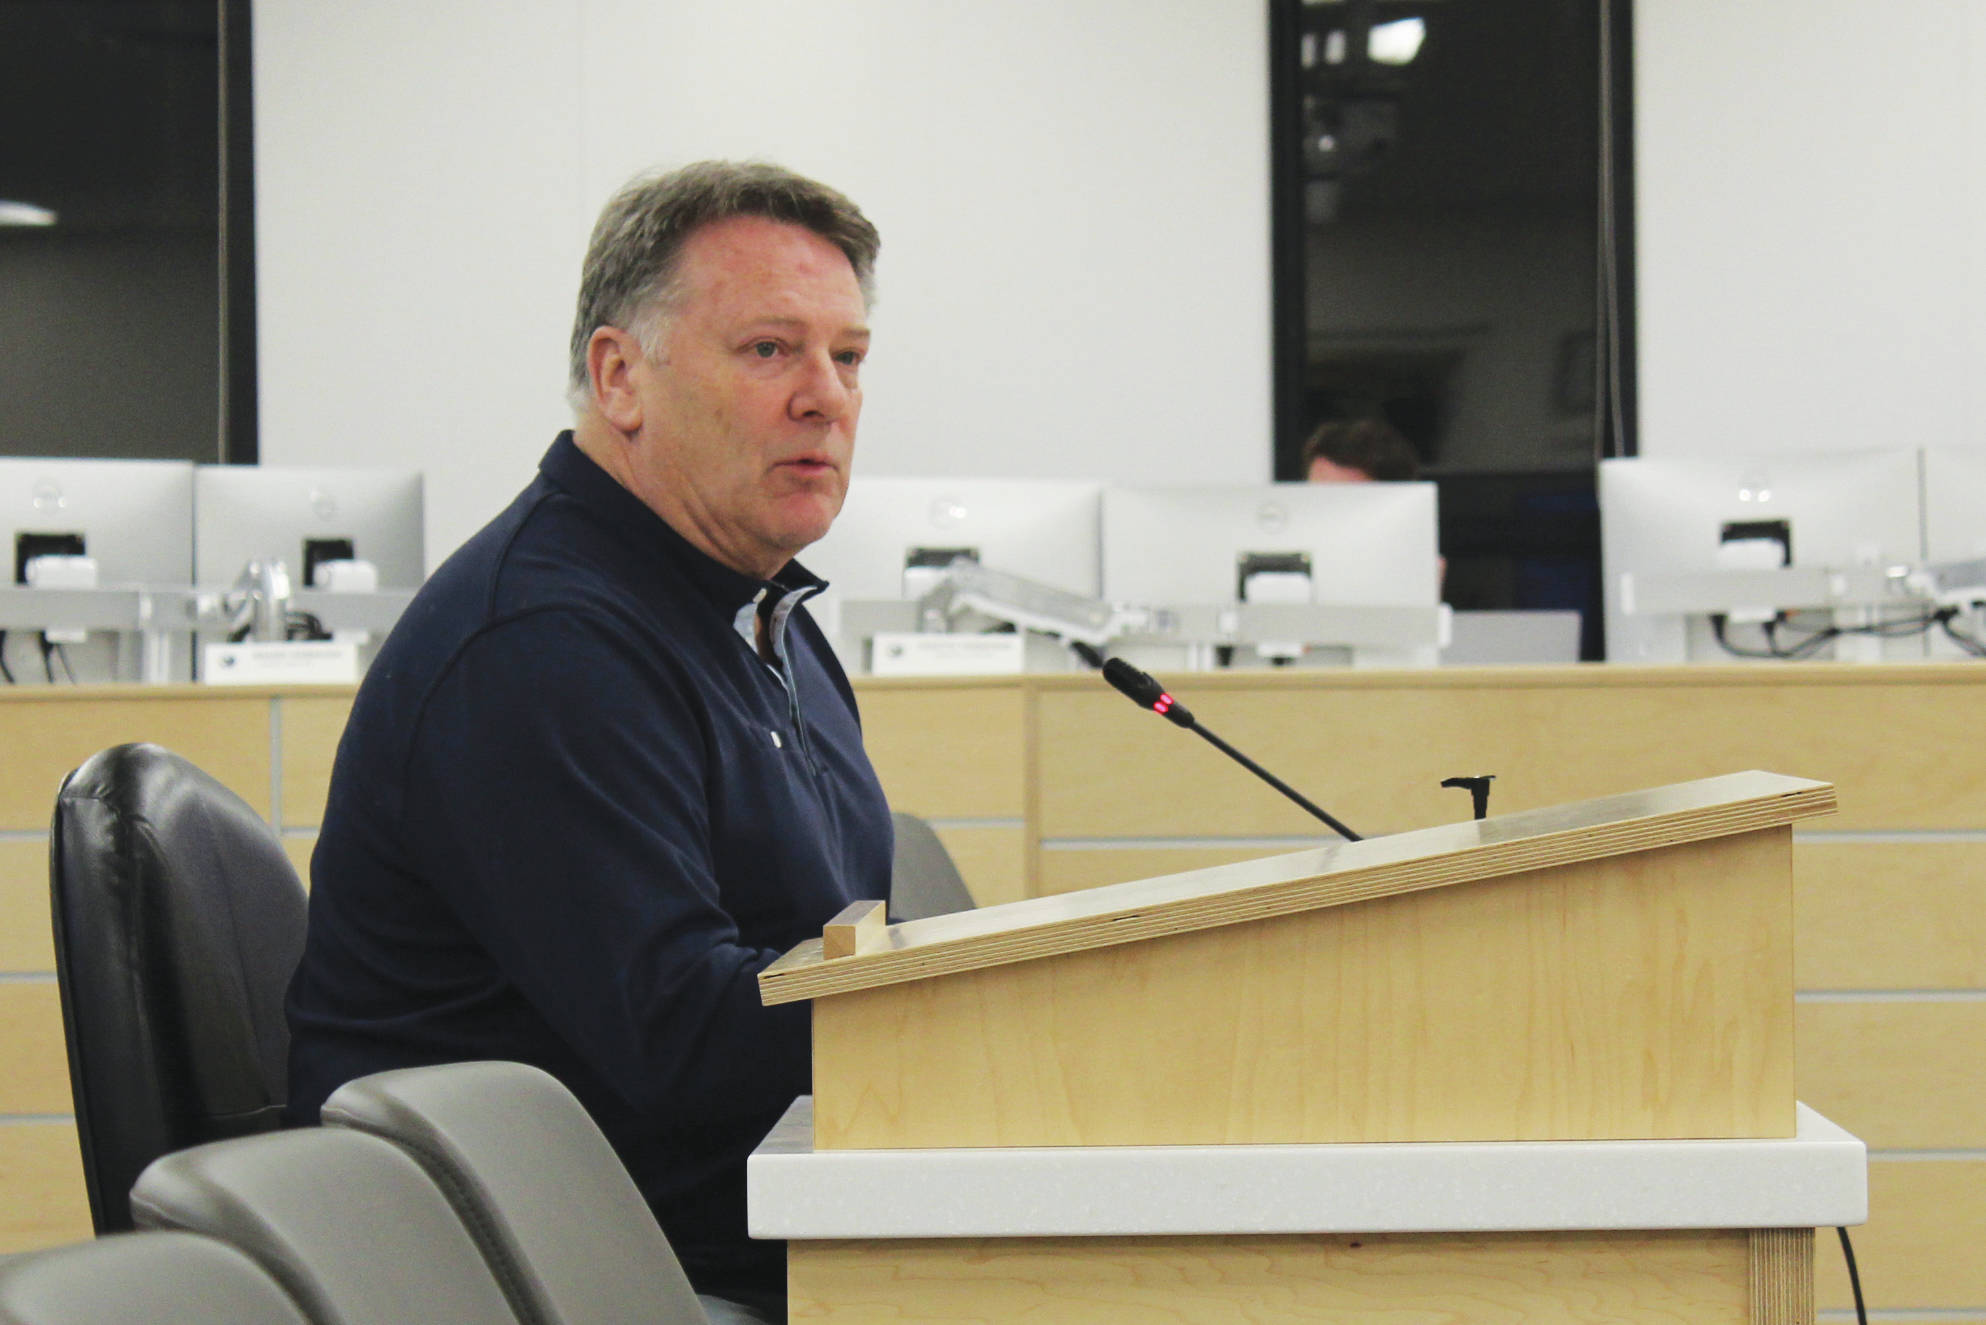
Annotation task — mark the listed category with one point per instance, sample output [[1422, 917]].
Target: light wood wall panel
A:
[[1372, 748], [298, 848], [45, 738], [1890, 915], [1900, 1075], [947, 750], [311, 726], [26, 942], [991, 860], [1578, 1279], [34, 1075], [42, 1199], [1921, 1247]]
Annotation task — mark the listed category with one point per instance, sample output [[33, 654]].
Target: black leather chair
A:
[[178, 922], [924, 881]]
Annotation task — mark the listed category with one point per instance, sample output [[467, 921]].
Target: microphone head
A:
[[1145, 692], [1142, 689]]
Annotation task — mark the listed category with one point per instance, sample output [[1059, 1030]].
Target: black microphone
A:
[[1145, 691]]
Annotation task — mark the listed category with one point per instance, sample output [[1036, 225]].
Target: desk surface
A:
[[1817, 1178]]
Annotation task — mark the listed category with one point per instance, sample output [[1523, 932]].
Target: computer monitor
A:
[[244, 513], [134, 518], [894, 533], [1368, 544], [1954, 504], [1696, 515], [1360, 544], [1955, 528]]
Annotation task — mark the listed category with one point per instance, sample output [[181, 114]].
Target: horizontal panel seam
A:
[[1890, 996]]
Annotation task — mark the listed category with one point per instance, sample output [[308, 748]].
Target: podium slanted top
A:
[[1320, 877]]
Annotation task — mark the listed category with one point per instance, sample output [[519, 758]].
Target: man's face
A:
[[747, 414], [1330, 471]]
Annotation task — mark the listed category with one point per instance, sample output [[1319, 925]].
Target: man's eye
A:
[[852, 358], [765, 349]]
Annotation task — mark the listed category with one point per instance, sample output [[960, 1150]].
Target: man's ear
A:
[[612, 358]]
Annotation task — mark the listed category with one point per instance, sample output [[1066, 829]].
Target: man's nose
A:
[[822, 392]]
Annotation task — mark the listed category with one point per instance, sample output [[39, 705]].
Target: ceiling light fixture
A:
[[1397, 42], [24, 213]]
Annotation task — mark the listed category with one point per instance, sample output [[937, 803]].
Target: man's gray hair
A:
[[632, 274]]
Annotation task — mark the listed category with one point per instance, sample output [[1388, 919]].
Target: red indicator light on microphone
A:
[[1163, 703]]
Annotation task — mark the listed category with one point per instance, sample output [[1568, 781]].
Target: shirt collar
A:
[[571, 469]]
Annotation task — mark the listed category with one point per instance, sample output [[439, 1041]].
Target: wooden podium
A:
[[1443, 1006]]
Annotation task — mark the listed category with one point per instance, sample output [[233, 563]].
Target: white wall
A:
[[1811, 197], [1073, 199]]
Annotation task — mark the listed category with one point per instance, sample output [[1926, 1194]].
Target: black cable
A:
[[61, 652], [1717, 628], [1970, 643], [5, 670], [47, 658], [1854, 1277], [1813, 639], [303, 626]]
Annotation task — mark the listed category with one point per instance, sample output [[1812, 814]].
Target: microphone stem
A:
[[1275, 782]]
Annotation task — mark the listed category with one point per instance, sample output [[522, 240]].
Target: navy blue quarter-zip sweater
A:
[[573, 815]]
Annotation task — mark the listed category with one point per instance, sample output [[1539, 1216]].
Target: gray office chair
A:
[[348, 1224], [561, 1223], [160, 1278], [923, 879]]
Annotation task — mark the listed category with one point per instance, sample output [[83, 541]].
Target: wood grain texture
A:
[[41, 1175], [1890, 915], [1899, 1075], [26, 941], [1643, 996], [857, 927], [1349, 872], [1389, 1279], [311, 728], [1782, 1276], [1920, 1249], [1068, 871], [1886, 735], [227, 736], [991, 860], [35, 1074], [948, 750]]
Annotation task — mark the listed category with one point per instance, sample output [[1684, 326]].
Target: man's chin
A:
[[807, 523]]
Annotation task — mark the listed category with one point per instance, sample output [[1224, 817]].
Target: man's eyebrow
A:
[[858, 330]]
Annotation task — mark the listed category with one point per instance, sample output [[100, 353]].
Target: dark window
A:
[[1452, 255], [118, 316]]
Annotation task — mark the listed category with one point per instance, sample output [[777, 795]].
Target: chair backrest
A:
[[923, 879], [158, 1278], [351, 1227], [178, 922], [563, 1226]]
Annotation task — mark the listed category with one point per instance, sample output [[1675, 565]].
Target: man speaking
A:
[[606, 768]]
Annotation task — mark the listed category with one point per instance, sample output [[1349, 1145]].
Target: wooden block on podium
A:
[[1616, 968]]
